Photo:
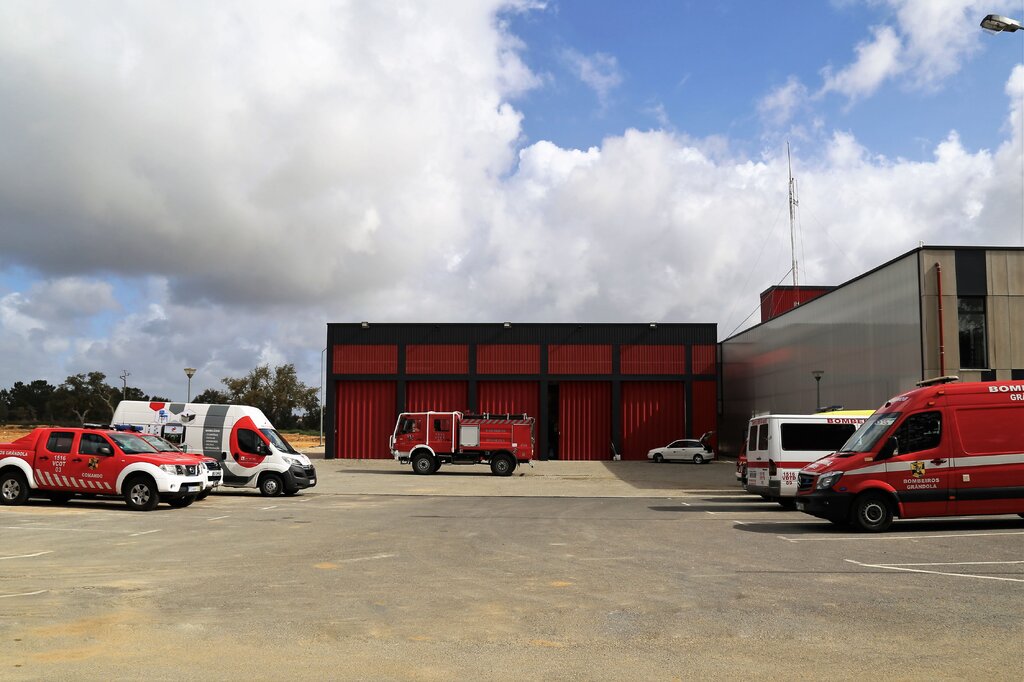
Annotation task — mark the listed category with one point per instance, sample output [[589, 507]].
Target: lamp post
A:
[[817, 374], [189, 372], [996, 24], [322, 353]]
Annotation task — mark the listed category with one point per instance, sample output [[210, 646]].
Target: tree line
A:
[[88, 398]]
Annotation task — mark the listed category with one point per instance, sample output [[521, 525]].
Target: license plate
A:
[[312, 481]]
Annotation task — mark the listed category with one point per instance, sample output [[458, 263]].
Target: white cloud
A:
[[779, 105], [599, 71], [341, 170], [877, 60]]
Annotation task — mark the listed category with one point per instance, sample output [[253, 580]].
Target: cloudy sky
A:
[[208, 184]]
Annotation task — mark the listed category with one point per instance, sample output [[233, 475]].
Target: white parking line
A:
[[271, 507], [903, 567], [26, 556], [145, 532], [22, 594], [218, 518], [365, 558], [896, 537]]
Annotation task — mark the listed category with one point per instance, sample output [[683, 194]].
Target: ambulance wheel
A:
[[872, 513], [503, 465], [182, 502], [271, 485], [698, 459], [13, 488], [141, 494], [787, 503], [423, 463], [658, 459], [290, 493]]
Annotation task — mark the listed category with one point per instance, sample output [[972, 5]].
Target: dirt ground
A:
[[298, 441]]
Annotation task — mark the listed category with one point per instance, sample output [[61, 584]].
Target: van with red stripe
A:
[[253, 454], [943, 449], [780, 445]]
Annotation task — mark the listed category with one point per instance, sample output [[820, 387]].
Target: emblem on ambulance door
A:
[[917, 468], [94, 462]]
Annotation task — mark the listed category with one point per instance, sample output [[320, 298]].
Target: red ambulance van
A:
[[944, 449]]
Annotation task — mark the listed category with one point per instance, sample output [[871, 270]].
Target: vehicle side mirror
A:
[[104, 450], [889, 449]]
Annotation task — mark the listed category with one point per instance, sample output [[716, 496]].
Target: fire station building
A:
[[934, 311], [594, 389]]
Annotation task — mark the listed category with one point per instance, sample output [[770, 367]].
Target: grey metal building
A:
[[934, 311]]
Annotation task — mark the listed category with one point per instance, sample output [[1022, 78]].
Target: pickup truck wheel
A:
[[182, 502], [141, 494], [872, 513], [203, 495], [658, 459], [423, 463], [698, 459], [502, 465], [13, 488], [271, 485]]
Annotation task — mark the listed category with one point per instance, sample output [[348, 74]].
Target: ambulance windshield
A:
[[865, 438], [278, 441]]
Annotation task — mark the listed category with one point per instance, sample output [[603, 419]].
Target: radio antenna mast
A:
[[793, 203]]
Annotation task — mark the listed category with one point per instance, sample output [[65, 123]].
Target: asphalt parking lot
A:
[[572, 570]]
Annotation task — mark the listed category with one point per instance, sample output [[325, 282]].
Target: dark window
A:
[[973, 343], [762, 437], [1017, 374], [752, 438], [810, 437], [249, 442], [60, 441], [90, 443], [676, 444], [919, 432]]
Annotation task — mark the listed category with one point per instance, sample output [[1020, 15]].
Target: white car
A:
[[685, 450]]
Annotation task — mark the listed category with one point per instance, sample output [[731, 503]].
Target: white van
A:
[[253, 453], [780, 445]]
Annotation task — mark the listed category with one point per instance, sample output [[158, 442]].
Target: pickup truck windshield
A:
[[278, 441], [132, 444], [159, 444], [865, 438]]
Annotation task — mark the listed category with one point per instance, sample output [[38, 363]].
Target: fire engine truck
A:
[[429, 439]]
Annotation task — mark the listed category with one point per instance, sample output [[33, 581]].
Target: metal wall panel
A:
[[512, 397], [659, 359], [507, 359], [437, 359], [439, 396], [376, 359], [704, 409], [653, 415], [579, 359], [705, 358], [585, 414], [865, 336], [365, 419]]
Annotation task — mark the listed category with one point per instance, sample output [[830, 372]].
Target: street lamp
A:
[[817, 374], [189, 372], [996, 23], [324, 351]]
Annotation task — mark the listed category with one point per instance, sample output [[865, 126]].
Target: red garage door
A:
[[652, 415], [512, 397], [585, 420], [439, 396], [705, 410], [366, 419]]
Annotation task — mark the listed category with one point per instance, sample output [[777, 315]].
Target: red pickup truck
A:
[[59, 463]]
